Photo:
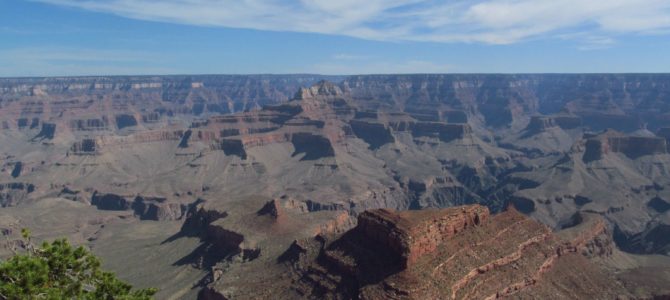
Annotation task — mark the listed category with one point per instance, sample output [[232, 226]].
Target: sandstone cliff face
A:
[[456, 253], [410, 235], [375, 134]]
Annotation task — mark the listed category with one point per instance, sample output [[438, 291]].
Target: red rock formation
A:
[[455, 253], [410, 235], [274, 209], [341, 223]]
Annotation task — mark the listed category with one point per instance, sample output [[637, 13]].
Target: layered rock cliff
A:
[[456, 253]]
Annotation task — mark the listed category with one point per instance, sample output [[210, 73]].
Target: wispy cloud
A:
[[49, 61], [346, 56], [64, 54], [485, 21], [377, 67]]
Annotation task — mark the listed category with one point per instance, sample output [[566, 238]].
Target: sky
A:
[[147, 37]]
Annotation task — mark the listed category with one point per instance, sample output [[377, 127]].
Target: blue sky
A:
[[124, 37]]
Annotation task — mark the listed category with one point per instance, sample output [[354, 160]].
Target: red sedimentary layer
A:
[[413, 234]]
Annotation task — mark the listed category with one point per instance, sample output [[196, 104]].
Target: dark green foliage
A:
[[57, 270]]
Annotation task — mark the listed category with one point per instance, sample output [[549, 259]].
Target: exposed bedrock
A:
[[497, 116], [106, 201], [313, 206], [157, 209], [75, 195], [151, 117], [13, 193], [596, 147], [140, 137], [197, 218], [35, 123], [185, 138], [313, 146], [273, 209], [125, 120], [321, 88], [375, 134], [636, 146], [89, 124], [655, 239], [426, 114], [595, 150], [523, 205], [86, 146], [659, 204], [22, 123], [539, 124], [450, 195], [143, 207], [47, 132], [16, 171], [257, 140], [410, 235], [602, 121], [567, 121], [218, 243], [455, 253], [443, 131], [455, 116], [233, 147], [209, 293]]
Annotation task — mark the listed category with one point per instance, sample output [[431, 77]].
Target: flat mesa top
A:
[[407, 220]]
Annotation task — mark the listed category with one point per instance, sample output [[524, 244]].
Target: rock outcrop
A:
[[158, 209], [47, 132], [456, 253], [597, 146], [13, 193], [92, 124], [412, 234], [375, 134], [86, 146]]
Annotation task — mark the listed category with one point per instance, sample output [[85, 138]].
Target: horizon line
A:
[[329, 75]]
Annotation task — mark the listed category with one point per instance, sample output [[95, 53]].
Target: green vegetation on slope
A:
[[56, 270]]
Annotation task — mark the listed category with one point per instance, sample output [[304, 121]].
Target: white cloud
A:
[[405, 67], [486, 21]]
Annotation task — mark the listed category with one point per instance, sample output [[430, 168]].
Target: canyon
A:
[[461, 186]]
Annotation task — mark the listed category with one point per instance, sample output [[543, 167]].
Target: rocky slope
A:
[[456, 253]]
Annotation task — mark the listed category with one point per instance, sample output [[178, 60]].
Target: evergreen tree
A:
[[56, 270]]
